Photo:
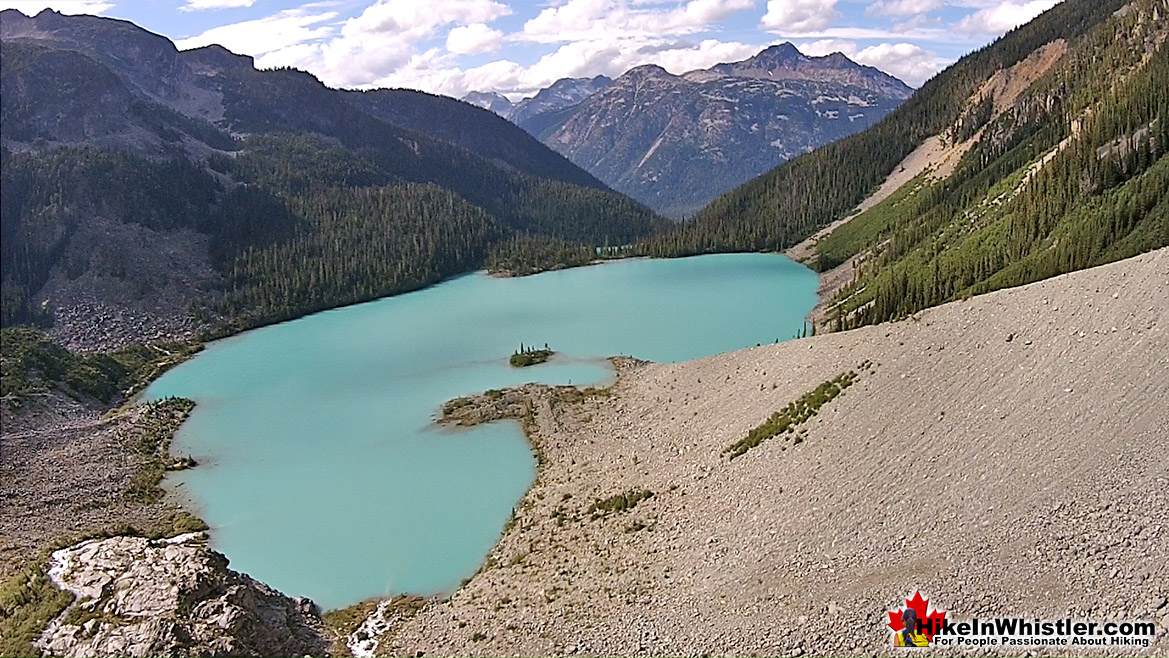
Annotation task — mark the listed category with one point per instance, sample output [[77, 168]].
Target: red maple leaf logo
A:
[[930, 621]]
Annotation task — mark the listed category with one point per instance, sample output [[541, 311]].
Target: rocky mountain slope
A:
[[675, 142], [155, 193], [560, 95], [1004, 455], [489, 100], [1043, 153]]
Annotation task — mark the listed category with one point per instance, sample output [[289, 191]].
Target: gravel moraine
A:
[[1006, 455]]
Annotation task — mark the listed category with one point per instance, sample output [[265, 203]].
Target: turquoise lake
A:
[[321, 471]]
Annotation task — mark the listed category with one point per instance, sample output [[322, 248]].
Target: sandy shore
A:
[[1008, 454]]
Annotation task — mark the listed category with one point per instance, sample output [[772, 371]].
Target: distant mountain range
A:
[[675, 142], [563, 93], [150, 191]]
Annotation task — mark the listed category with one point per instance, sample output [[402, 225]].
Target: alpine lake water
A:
[[321, 470]]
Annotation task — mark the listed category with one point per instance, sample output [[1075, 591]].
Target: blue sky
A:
[[518, 46]]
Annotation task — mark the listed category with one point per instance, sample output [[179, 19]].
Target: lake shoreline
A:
[[797, 547], [674, 309]]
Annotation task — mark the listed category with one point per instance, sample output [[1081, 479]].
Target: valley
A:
[[676, 142], [814, 341]]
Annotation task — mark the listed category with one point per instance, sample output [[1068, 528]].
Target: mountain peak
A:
[[217, 57], [645, 72], [489, 100], [838, 59], [780, 52]]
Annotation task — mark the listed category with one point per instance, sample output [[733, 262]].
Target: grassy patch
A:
[[154, 431], [28, 602], [454, 405], [619, 503], [346, 620], [786, 420], [33, 364], [572, 394]]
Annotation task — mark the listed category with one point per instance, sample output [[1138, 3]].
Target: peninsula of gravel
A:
[[1005, 455]]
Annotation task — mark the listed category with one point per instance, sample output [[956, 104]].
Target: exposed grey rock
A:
[[489, 100], [675, 142], [562, 94], [171, 597]]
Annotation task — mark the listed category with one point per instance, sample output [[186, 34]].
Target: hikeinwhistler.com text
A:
[[1018, 631]]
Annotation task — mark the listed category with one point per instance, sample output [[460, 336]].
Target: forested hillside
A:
[[141, 182], [1071, 173], [485, 134]]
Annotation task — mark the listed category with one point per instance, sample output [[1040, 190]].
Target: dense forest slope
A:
[[1057, 139], [153, 193]]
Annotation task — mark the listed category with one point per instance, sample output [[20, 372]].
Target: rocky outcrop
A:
[[171, 597]]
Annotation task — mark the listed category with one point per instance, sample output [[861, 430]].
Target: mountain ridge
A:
[[239, 143], [675, 142]]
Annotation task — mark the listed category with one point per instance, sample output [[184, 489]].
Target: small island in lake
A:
[[529, 356]]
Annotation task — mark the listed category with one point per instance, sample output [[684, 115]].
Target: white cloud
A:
[[34, 7], [908, 32], [798, 16], [385, 39], [903, 7], [414, 20], [576, 59], [1002, 16], [473, 39], [827, 47], [911, 64], [288, 28], [197, 5], [578, 20]]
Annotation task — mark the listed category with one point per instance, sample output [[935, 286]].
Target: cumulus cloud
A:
[[911, 64], [575, 59], [911, 31], [798, 16], [288, 28], [578, 20], [197, 5], [414, 20], [385, 38], [827, 47], [473, 39], [903, 7], [34, 7], [1002, 16]]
